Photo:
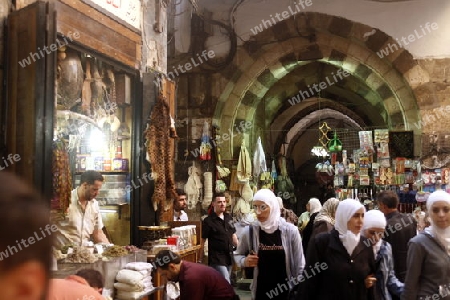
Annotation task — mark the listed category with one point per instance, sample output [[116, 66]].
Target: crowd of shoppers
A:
[[352, 254], [346, 252]]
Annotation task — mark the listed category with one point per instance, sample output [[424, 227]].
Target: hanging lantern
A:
[[335, 145]]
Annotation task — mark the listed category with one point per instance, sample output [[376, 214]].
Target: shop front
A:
[[72, 102]]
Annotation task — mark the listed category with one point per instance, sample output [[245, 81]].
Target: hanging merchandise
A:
[[382, 142], [344, 158], [259, 160], [244, 173], [242, 210], [246, 192], [266, 181], [160, 152], [193, 186], [244, 167], [62, 178], [366, 143], [335, 144], [221, 186], [173, 130], [205, 146], [234, 184], [285, 187], [222, 171], [208, 193], [274, 171]]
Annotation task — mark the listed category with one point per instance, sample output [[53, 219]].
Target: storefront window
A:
[[93, 133]]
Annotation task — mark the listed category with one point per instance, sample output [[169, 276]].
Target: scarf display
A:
[[441, 234], [259, 159], [269, 198], [374, 219], [328, 211], [344, 213], [244, 167]]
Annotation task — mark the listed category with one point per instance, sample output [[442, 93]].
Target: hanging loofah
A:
[[208, 194]]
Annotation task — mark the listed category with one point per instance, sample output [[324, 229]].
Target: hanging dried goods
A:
[[62, 178]]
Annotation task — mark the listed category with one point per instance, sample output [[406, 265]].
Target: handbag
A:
[[248, 271]]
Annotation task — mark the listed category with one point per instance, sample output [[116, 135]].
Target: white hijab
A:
[[344, 212], [314, 205], [374, 219], [442, 235], [269, 198]]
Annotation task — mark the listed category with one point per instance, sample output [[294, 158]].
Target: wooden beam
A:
[[98, 32]]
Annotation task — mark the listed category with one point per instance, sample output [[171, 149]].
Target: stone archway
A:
[[383, 83]]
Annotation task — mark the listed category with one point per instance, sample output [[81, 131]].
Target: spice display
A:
[[115, 251], [81, 255]]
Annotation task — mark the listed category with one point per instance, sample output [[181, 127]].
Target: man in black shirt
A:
[[221, 235], [399, 230]]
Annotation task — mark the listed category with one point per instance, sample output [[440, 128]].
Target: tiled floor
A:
[[244, 295], [242, 290]]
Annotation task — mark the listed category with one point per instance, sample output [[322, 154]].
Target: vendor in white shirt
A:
[[179, 204], [83, 221]]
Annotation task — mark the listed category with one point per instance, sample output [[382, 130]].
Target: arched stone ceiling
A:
[[279, 64]]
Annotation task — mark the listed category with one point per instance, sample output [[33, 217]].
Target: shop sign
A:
[[129, 11]]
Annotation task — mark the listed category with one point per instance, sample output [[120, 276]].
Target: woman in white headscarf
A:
[[339, 265], [428, 260], [314, 207], [277, 250], [387, 283], [324, 220]]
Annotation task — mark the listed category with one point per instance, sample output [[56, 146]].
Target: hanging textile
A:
[[208, 195], [244, 173], [244, 167], [205, 146], [285, 187], [274, 171], [160, 153], [234, 184], [193, 187], [259, 160]]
